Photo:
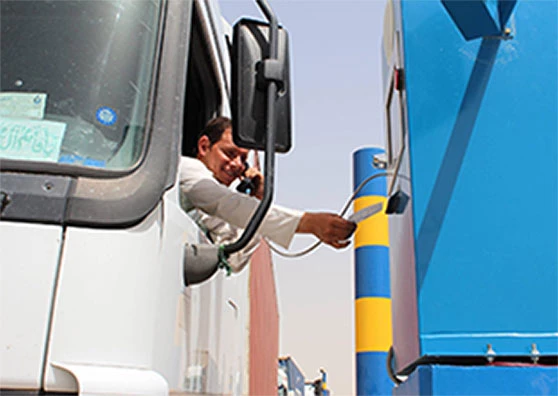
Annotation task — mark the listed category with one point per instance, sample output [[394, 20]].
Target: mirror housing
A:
[[251, 72]]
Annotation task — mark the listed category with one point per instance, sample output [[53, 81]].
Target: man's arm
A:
[[327, 227], [215, 199], [279, 225]]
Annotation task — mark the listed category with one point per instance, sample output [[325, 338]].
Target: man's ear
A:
[[203, 145]]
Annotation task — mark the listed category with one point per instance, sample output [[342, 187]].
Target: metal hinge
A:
[[5, 200], [399, 80]]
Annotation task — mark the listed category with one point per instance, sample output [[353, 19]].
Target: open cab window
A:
[[204, 96], [204, 93]]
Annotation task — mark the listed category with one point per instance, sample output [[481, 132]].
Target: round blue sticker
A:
[[106, 115]]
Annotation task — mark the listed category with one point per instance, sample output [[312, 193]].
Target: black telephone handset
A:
[[246, 185]]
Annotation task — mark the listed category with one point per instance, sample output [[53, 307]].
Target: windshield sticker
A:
[[24, 139], [79, 160], [106, 116], [22, 104]]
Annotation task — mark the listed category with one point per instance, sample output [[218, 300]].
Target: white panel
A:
[[105, 307], [29, 256], [217, 335], [121, 303], [170, 348], [116, 381], [237, 310]]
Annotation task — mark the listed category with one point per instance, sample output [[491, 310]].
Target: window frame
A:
[[119, 199]]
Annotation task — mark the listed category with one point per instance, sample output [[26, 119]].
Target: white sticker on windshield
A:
[[23, 104], [34, 140]]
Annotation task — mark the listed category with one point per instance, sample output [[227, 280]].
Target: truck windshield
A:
[[75, 80]]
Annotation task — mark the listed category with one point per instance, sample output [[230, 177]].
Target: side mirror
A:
[[260, 102], [251, 69]]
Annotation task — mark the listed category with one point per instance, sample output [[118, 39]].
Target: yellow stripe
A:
[[374, 230], [373, 324]]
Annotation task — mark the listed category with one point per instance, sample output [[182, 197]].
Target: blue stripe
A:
[[372, 272], [363, 168], [479, 380], [372, 377]]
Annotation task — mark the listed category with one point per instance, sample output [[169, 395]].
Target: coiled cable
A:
[[342, 213]]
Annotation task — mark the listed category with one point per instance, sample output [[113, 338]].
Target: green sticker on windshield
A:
[[24, 139]]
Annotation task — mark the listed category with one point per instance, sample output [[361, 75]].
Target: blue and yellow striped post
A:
[[372, 290]]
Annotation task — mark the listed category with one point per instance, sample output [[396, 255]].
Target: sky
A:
[[337, 109]]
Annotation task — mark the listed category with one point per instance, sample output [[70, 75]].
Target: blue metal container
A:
[[472, 131], [479, 381]]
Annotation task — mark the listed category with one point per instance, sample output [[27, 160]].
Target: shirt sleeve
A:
[[215, 199]]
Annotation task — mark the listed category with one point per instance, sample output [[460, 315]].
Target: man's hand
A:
[[258, 180], [327, 227]]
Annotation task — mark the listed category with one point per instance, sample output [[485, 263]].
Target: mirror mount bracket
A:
[[200, 262], [273, 70]]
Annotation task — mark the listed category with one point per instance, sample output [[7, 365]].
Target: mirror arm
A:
[[273, 27], [269, 170]]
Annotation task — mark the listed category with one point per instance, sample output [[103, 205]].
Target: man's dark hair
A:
[[214, 129]]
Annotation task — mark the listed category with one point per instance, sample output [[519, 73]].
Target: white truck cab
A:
[[98, 101]]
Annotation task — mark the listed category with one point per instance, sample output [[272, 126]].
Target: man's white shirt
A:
[[225, 213]]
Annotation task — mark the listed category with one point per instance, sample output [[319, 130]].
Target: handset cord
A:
[[342, 213]]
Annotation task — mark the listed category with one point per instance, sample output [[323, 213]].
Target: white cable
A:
[[316, 244]]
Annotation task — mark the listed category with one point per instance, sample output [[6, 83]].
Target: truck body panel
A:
[[474, 256], [479, 381], [30, 255], [103, 306]]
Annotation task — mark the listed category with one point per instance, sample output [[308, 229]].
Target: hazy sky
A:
[[337, 108]]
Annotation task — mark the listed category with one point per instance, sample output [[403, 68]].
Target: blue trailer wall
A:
[[474, 257], [479, 381]]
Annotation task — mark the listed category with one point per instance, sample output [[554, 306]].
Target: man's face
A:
[[224, 158]]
